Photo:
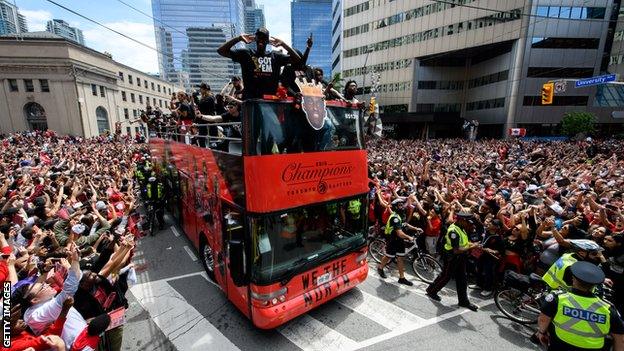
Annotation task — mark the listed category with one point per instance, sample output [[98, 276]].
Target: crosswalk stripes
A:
[[378, 310], [189, 330]]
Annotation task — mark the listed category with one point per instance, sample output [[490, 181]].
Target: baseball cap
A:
[[262, 32], [100, 205], [79, 228]]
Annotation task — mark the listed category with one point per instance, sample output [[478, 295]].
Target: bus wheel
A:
[[207, 258]]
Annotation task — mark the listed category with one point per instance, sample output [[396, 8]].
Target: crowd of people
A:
[[527, 202], [68, 228]]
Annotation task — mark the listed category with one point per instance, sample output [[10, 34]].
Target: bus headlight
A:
[[361, 259]]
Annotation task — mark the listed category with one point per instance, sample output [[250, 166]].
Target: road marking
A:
[[190, 253], [175, 231], [448, 296], [310, 334], [407, 329], [378, 310], [182, 324]]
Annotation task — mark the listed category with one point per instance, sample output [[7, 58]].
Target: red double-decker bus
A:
[[281, 232]]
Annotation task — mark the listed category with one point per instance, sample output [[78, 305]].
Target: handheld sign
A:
[[312, 102]]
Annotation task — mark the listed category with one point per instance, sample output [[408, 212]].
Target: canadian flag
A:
[[518, 132]]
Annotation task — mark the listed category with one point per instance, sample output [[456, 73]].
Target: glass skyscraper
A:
[[188, 33], [254, 16], [62, 28], [11, 21], [313, 16]]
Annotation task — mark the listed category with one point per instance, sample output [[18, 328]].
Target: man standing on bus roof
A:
[[260, 67]]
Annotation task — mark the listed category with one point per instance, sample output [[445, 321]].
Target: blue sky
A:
[[118, 16]]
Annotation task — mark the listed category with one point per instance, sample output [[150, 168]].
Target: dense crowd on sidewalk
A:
[[68, 226], [528, 199]]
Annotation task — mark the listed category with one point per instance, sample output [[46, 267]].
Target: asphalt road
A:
[[175, 307]]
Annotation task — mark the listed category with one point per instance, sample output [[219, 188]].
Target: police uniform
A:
[[454, 264], [395, 246], [557, 276], [580, 320], [155, 193]]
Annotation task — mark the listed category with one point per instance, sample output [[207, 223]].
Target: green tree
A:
[[338, 81], [578, 123]]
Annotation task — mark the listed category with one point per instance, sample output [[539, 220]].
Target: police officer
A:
[[155, 194], [455, 255], [558, 275], [395, 241], [578, 320]]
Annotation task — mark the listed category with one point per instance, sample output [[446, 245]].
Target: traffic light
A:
[[548, 91]]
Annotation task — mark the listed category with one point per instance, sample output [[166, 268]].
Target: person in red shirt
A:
[[432, 230], [89, 338]]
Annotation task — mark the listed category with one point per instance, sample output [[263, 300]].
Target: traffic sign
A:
[[594, 80], [560, 87]]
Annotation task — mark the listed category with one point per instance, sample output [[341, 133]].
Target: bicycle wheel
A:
[[377, 248], [517, 305], [426, 267]]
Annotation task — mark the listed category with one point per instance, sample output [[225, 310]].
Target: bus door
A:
[[233, 225], [189, 217]]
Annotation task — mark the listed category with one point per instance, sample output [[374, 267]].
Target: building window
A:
[[45, 87], [558, 100], [13, 85], [158, 88], [123, 96], [132, 97], [128, 130], [36, 116], [154, 101], [160, 102], [145, 83], [136, 130], [94, 89], [129, 79], [565, 43], [126, 114], [560, 72], [169, 91], [134, 113], [140, 99], [121, 76], [102, 91], [138, 81], [153, 86], [28, 85], [102, 119]]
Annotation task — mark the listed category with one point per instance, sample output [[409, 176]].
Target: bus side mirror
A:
[[237, 263]]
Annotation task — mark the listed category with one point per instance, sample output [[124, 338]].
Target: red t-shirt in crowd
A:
[[436, 226]]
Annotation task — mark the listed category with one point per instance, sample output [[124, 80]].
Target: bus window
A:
[[312, 234], [280, 128]]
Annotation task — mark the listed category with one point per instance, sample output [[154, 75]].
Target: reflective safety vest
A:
[[389, 227], [354, 208], [554, 276], [463, 237], [139, 175], [582, 321], [160, 191]]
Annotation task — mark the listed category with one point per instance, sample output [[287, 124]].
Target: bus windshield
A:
[[280, 128], [306, 235]]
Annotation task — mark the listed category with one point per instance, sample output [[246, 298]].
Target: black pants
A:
[[454, 266]]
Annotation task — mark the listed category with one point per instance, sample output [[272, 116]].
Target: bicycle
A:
[[426, 267], [519, 297]]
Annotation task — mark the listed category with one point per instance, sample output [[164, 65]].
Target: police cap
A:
[[587, 272], [465, 215]]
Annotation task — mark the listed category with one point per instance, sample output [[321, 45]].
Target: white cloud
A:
[[125, 50], [277, 15], [36, 19]]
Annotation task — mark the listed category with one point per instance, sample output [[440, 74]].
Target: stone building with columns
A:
[[48, 82]]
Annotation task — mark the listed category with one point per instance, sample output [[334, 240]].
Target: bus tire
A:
[[207, 258]]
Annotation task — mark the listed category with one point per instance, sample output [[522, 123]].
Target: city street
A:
[[175, 307]]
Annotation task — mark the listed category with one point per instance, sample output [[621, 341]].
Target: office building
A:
[[336, 38], [441, 62], [182, 26], [313, 16], [72, 89], [11, 20], [63, 29], [254, 16]]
